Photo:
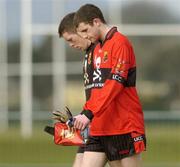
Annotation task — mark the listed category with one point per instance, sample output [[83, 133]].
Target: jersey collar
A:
[[109, 35]]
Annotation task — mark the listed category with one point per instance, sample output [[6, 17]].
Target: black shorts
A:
[[81, 149], [117, 147]]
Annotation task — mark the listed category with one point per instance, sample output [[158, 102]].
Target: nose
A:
[[72, 45], [85, 36]]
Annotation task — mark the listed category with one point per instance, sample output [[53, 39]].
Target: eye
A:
[[85, 30], [69, 40]]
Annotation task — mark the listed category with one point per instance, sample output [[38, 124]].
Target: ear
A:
[[97, 22]]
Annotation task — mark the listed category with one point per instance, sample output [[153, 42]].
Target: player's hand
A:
[[81, 121]]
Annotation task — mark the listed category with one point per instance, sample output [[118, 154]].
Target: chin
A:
[[93, 40]]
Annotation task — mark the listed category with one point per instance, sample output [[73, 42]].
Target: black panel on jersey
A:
[[131, 79]]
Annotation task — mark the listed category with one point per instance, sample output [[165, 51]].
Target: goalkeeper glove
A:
[[58, 115]]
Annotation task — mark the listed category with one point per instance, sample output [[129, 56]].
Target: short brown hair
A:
[[66, 24], [87, 13]]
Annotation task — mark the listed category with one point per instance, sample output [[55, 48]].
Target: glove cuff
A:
[[88, 114]]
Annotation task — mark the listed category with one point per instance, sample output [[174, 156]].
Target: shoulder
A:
[[120, 39]]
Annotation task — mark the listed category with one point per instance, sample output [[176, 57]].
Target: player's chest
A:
[[102, 58]]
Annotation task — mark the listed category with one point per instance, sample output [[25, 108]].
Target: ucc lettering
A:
[[139, 138], [117, 77]]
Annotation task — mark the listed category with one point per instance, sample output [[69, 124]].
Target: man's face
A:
[[75, 41], [88, 31]]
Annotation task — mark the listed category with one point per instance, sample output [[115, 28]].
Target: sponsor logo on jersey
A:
[[86, 76], [97, 72], [94, 85]]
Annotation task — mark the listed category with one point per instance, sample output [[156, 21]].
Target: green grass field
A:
[[163, 146]]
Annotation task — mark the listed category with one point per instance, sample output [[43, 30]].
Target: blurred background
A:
[[40, 73]]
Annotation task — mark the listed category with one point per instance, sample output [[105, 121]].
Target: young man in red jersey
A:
[[113, 109], [67, 31]]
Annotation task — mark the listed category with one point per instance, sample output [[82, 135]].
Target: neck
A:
[[104, 29], [88, 45]]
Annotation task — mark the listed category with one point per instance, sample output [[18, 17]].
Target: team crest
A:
[[105, 57]]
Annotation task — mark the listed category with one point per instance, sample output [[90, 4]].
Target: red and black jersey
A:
[[88, 68], [111, 98]]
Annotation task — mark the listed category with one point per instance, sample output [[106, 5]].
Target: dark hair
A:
[[66, 24], [87, 13]]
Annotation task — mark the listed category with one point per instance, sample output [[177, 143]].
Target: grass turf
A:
[[163, 143]]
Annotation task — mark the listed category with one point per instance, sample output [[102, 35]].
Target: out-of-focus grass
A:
[[38, 149], [163, 145]]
